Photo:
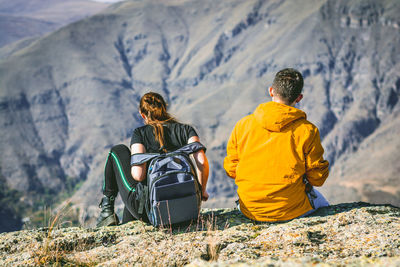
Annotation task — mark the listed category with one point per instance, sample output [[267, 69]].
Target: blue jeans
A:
[[317, 199]]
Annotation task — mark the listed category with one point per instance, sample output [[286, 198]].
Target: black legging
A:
[[118, 178]]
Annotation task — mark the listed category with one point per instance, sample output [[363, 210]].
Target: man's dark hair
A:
[[288, 84]]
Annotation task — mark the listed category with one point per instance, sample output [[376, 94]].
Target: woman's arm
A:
[[139, 171], [202, 167]]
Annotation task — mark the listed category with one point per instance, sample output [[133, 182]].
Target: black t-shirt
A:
[[176, 135]]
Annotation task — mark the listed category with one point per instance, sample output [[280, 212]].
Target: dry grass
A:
[[55, 252], [150, 246], [213, 246], [176, 246], [48, 252]]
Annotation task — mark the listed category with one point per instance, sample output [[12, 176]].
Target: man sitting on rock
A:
[[275, 156]]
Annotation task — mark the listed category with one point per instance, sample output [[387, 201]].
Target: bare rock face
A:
[[356, 234], [68, 97]]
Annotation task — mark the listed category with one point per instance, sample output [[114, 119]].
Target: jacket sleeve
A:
[[317, 169], [232, 158]]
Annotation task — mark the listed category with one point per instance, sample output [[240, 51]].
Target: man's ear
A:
[[300, 97], [271, 91], [143, 116]]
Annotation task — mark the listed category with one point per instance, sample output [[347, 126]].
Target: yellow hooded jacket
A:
[[268, 153]]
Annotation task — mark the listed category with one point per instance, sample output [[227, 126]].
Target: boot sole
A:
[[109, 221]]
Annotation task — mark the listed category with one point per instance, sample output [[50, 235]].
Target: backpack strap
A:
[[141, 196], [191, 148], [140, 158]]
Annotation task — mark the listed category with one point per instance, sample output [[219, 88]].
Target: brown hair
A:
[[153, 106]]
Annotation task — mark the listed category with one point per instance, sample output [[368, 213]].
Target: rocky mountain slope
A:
[[32, 18], [16, 28], [68, 97], [354, 234]]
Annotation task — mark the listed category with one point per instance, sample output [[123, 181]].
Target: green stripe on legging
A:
[[122, 173], [104, 182]]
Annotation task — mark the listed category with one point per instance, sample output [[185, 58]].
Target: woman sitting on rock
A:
[[161, 133]]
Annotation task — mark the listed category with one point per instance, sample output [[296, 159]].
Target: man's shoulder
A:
[[245, 120], [307, 127], [309, 124]]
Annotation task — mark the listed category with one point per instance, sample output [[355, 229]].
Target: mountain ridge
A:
[[69, 96], [21, 19]]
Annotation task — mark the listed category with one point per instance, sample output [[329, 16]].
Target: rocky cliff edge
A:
[[356, 234]]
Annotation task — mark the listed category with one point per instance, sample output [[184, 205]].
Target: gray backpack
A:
[[172, 193]]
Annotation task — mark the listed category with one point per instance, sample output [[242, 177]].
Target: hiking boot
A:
[[107, 216]]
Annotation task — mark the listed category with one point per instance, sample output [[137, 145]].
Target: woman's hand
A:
[[205, 196]]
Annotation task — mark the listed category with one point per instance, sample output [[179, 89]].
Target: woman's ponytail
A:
[[153, 106]]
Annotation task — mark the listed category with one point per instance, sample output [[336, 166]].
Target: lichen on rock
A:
[[344, 234]]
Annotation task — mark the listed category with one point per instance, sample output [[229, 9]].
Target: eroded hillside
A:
[[68, 97]]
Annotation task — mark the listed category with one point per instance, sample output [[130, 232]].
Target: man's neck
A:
[[280, 101]]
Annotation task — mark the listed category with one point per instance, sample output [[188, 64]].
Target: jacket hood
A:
[[274, 116]]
